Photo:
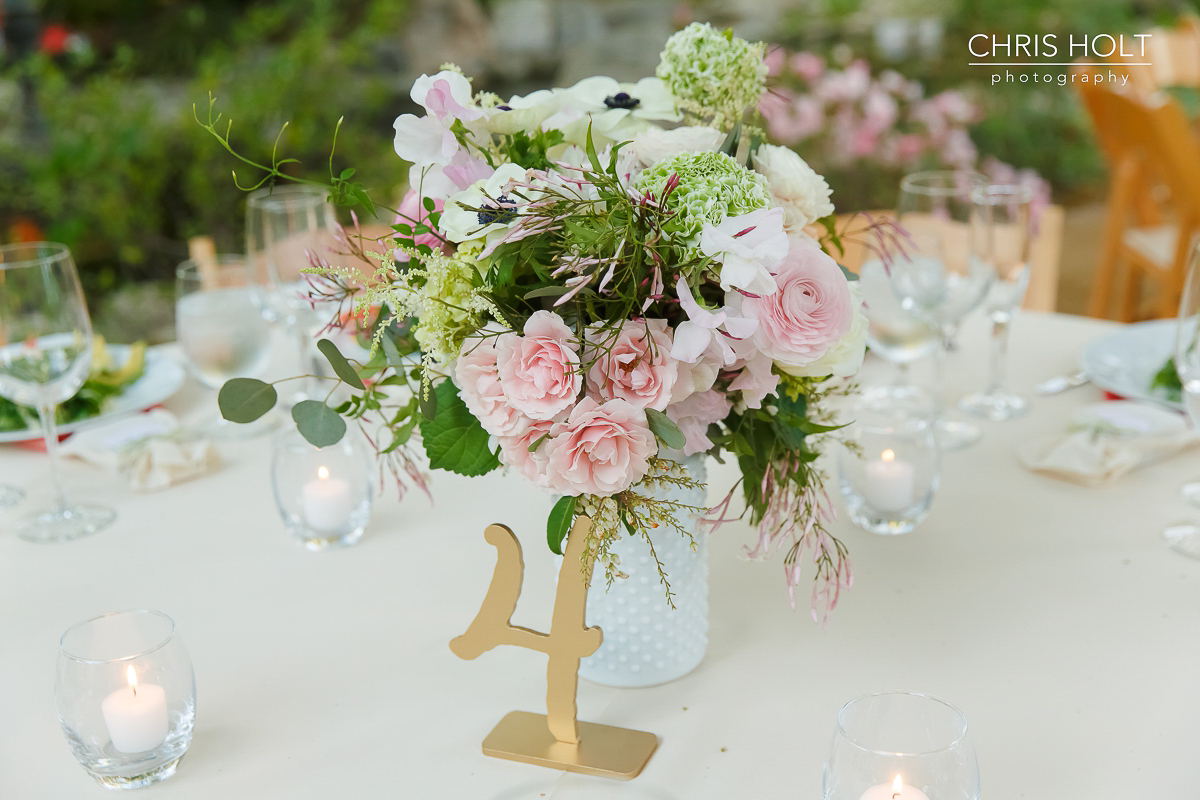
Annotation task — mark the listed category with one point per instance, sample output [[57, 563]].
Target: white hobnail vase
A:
[[646, 642]]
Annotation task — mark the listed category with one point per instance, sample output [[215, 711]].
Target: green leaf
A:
[[665, 429], [730, 145], [850, 276], [339, 363], [348, 173], [318, 423], [547, 291], [454, 439], [558, 524], [593, 159], [246, 399], [390, 351]]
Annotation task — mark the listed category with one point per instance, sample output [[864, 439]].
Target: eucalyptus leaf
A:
[[341, 366], [246, 399], [558, 524], [318, 423], [665, 429]]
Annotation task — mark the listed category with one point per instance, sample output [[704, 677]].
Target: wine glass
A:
[[937, 277], [1001, 224], [45, 356], [901, 746], [287, 227], [1185, 536], [894, 334], [221, 329]]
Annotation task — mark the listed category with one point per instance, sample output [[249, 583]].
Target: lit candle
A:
[[326, 501], [136, 715], [896, 790], [889, 483]]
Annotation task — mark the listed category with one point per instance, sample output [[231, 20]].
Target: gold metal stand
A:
[[555, 739]]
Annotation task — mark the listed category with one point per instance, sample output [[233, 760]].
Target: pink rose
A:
[[695, 414], [479, 386], [412, 212], [515, 452], [600, 449], [810, 313], [635, 366], [539, 372]]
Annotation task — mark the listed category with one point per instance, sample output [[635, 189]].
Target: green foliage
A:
[[454, 439], [1167, 379], [318, 423], [341, 366], [558, 524], [246, 399], [665, 429]]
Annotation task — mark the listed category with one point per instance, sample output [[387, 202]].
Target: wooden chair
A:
[[1149, 147], [1173, 55], [1042, 294]]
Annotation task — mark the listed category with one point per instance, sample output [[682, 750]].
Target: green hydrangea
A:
[[450, 308], [714, 74], [712, 186]]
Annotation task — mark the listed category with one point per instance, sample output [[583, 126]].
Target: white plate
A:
[[1126, 361], [161, 379]]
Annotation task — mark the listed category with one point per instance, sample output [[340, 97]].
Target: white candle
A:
[[890, 483], [136, 715], [896, 790], [327, 502]]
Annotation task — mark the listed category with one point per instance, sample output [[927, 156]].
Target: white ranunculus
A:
[[803, 194], [655, 144], [845, 358], [463, 225]]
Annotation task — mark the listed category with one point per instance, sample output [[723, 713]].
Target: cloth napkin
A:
[[1106, 440], [149, 449]]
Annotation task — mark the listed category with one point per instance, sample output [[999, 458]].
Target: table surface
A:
[[1052, 615]]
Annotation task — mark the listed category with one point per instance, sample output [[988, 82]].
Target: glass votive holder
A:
[[126, 697], [324, 494], [888, 464], [901, 746]]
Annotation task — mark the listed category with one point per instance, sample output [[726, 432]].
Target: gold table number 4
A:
[[554, 739]]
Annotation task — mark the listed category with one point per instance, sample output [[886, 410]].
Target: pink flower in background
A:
[[515, 452], [636, 367], [539, 372], [807, 66], [958, 150], [774, 60], [412, 212], [809, 314], [695, 414], [600, 449], [478, 382]]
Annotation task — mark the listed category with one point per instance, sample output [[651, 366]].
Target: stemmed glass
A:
[[1185, 536], [893, 333], [221, 329], [1000, 236], [287, 227], [45, 356], [938, 277]]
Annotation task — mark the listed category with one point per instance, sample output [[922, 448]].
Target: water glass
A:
[[45, 357], [888, 464], [126, 697], [901, 746], [324, 494]]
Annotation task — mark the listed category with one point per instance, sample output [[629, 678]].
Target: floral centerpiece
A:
[[585, 283]]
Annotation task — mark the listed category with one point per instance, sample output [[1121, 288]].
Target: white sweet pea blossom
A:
[[797, 188], [749, 247], [701, 332], [424, 140], [446, 95], [427, 140], [462, 225]]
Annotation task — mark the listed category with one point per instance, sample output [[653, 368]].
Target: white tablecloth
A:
[[1052, 615]]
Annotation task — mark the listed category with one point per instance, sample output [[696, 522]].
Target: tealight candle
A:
[[890, 483], [136, 715], [326, 502], [897, 790]]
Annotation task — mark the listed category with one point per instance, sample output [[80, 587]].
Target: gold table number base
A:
[[555, 739]]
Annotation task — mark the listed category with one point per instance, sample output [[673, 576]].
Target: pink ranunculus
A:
[[412, 212], [695, 414], [810, 313], [636, 365], [515, 452], [478, 382], [600, 449], [539, 371]]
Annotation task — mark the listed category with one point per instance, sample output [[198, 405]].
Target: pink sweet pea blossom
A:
[[702, 329], [810, 313], [446, 96], [600, 449], [539, 372], [636, 366], [695, 414]]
